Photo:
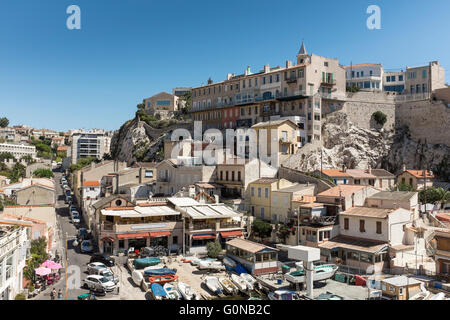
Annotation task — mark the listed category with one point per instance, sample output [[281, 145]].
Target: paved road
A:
[[66, 231]]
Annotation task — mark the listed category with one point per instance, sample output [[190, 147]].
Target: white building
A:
[[92, 143], [91, 190], [14, 246], [18, 150], [394, 82], [366, 76]]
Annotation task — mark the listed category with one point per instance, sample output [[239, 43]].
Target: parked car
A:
[[68, 199], [86, 246], [83, 234], [98, 283], [105, 272], [75, 216], [104, 258], [94, 265]]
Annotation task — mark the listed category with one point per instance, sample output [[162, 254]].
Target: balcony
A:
[[286, 140], [230, 225], [291, 80], [122, 227], [163, 179], [328, 82], [203, 226]]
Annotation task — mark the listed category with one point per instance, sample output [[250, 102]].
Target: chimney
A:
[[343, 168], [216, 197], [288, 63], [266, 68], [229, 76], [403, 167]]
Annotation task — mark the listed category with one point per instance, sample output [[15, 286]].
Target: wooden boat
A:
[[158, 291], [159, 272], [228, 286], [172, 292], [137, 277], [211, 265], [283, 295], [187, 292], [214, 285], [230, 263], [239, 282], [163, 279], [249, 280], [321, 272]]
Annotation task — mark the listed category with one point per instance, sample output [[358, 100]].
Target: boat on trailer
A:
[[187, 292], [172, 292], [239, 282], [228, 285], [321, 272], [214, 285], [158, 292], [251, 282]]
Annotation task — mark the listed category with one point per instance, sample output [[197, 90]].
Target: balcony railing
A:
[[224, 225], [203, 226], [163, 179]]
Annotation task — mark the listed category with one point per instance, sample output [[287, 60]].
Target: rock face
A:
[[346, 144]]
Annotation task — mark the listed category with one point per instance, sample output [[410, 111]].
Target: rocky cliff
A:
[[355, 147]]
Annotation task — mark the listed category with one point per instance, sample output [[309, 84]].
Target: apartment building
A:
[[378, 178], [344, 197], [18, 150], [92, 143], [424, 79], [365, 235], [8, 134], [394, 81], [442, 256], [14, 251], [181, 91], [163, 104], [249, 98], [396, 199], [367, 76]]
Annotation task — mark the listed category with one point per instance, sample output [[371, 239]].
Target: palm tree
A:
[[443, 195]]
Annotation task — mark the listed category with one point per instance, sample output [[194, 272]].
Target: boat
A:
[[158, 291], [172, 292], [159, 272], [254, 298], [137, 277], [146, 262], [187, 292], [230, 263], [163, 278], [228, 286], [283, 295], [249, 280], [214, 285], [239, 282], [321, 272], [439, 296], [423, 295], [210, 265]]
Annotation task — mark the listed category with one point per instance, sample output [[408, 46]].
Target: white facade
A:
[[94, 143], [18, 150], [365, 76], [91, 192], [13, 253]]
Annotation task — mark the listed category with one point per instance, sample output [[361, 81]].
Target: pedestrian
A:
[[53, 294], [118, 287], [60, 294]]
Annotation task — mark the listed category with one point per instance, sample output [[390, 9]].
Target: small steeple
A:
[[302, 49]]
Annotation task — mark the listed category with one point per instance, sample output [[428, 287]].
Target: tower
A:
[[302, 56]]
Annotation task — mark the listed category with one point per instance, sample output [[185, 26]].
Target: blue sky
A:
[[52, 77]]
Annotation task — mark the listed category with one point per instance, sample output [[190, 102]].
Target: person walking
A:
[[53, 294], [60, 295]]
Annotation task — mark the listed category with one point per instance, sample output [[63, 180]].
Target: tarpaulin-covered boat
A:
[[146, 262], [159, 272]]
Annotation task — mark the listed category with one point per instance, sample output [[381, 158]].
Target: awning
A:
[[107, 239], [132, 235], [204, 236], [159, 234], [229, 234]]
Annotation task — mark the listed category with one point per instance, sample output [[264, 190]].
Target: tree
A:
[[6, 155], [379, 118], [262, 229], [434, 195], [402, 187], [283, 233], [187, 97], [43, 173], [17, 172], [213, 248], [39, 254], [4, 122]]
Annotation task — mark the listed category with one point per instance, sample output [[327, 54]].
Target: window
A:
[[226, 176], [253, 191], [361, 226], [149, 173], [278, 78], [266, 193], [424, 74], [239, 176], [378, 227], [259, 192], [400, 78], [346, 223], [262, 212], [232, 175]]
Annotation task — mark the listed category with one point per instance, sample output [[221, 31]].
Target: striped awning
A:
[[133, 235], [159, 234], [208, 236], [107, 239], [229, 234]]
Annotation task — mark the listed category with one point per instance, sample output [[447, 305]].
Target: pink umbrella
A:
[[51, 265], [41, 271]]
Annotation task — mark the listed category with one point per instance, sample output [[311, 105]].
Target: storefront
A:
[[228, 235]]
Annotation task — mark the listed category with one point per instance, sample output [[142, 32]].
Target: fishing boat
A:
[[283, 295], [159, 272], [137, 277], [249, 280], [172, 292], [423, 295], [158, 292], [228, 286], [146, 262], [239, 282], [163, 279], [321, 272], [230, 263], [211, 265], [439, 296], [187, 292], [214, 285]]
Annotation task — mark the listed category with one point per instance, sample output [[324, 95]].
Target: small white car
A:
[[94, 265], [75, 216], [98, 283]]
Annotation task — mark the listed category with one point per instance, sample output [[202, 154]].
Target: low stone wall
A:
[[297, 176]]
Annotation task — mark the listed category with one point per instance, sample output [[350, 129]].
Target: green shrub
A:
[[214, 248], [20, 296], [379, 118]]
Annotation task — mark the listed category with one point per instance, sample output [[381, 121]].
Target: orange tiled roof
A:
[[343, 189], [335, 173], [91, 184], [419, 173]]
